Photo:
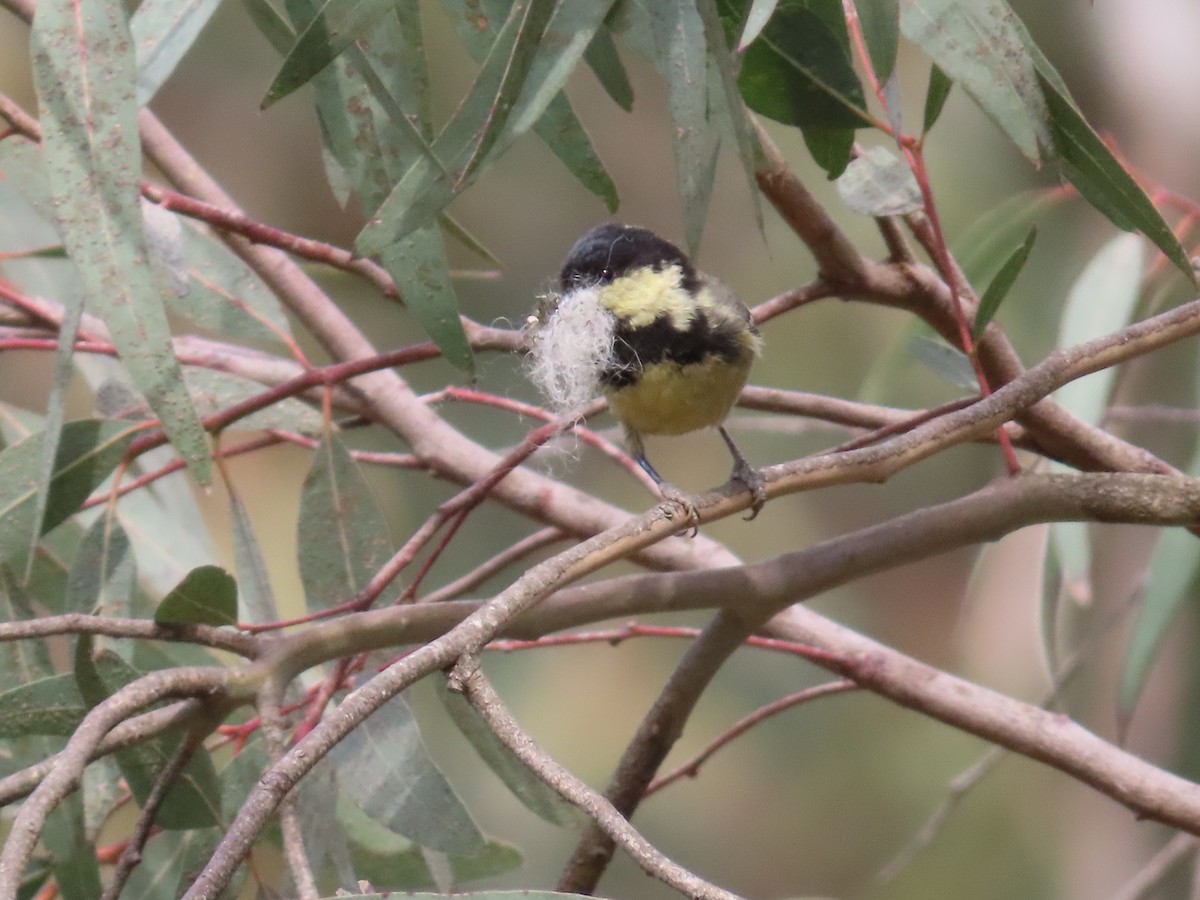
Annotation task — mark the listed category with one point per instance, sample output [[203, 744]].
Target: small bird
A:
[[670, 347]]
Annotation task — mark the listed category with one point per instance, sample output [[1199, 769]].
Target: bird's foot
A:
[[753, 481], [680, 503]]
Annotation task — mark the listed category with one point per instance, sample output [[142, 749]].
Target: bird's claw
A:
[[753, 481], [681, 502]]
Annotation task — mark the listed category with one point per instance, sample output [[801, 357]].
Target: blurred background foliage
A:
[[827, 793]]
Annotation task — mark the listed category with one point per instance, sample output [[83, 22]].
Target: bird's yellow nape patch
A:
[[644, 295]]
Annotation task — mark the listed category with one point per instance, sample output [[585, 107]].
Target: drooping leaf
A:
[[418, 266], [213, 391], [389, 861], [982, 249], [84, 74], [980, 45], [49, 705], [21, 662], [343, 535], [605, 62], [467, 140], [680, 55], [949, 363], [330, 32], [1099, 176], [999, 286], [881, 29], [225, 295], [1170, 582], [533, 793], [88, 451], [194, 800], [878, 183], [158, 874], [104, 572], [726, 104], [256, 599], [831, 148], [756, 20], [1101, 301], [936, 95], [799, 70], [383, 766], [207, 596], [73, 856], [163, 31]]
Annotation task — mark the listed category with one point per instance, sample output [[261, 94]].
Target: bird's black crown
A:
[[609, 251]]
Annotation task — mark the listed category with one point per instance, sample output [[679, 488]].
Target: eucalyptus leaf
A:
[[878, 183], [163, 31], [88, 450], [948, 363], [207, 596], [384, 767], [343, 536], [84, 75], [980, 44], [194, 800], [999, 286]]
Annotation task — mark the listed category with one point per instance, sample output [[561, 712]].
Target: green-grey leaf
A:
[[1103, 181], [104, 572], [1101, 301], [418, 266], [333, 29], [980, 44], [88, 450], [206, 596], [987, 242], [756, 20], [948, 363], [1170, 582], [542, 106], [880, 21], [213, 391], [194, 800], [49, 705], [384, 767], [936, 95], [468, 138], [831, 148], [605, 62], [73, 856], [225, 295], [391, 862], [534, 793], [878, 183], [799, 70], [343, 536], [999, 286], [160, 870], [163, 31], [84, 74], [680, 49], [256, 599]]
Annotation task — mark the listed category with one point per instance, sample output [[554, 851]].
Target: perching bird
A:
[[668, 346]]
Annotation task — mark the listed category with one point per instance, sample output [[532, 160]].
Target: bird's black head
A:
[[609, 251]]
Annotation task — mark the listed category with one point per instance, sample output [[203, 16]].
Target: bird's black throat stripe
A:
[[636, 348]]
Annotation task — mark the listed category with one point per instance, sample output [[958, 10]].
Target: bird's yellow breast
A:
[[671, 399]]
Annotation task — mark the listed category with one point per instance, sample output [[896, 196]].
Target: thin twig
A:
[[131, 855], [691, 767], [468, 678]]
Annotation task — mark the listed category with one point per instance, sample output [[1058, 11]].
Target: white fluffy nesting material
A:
[[569, 347]]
